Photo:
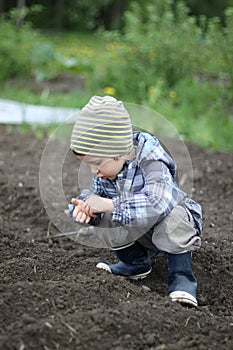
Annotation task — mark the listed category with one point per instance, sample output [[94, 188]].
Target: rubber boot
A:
[[182, 284], [134, 262]]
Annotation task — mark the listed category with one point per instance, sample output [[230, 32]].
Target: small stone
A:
[[50, 242], [145, 288], [150, 339], [127, 336], [79, 253], [28, 318]]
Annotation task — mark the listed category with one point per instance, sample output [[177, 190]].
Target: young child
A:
[[133, 190]]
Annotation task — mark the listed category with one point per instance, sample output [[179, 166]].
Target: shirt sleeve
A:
[[96, 189], [149, 206]]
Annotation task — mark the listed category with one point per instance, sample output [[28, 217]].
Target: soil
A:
[[53, 297]]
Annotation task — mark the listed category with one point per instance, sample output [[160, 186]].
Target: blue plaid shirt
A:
[[145, 191]]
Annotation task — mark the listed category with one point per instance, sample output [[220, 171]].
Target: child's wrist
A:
[[108, 205], [100, 204]]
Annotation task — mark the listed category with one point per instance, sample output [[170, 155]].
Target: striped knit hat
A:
[[103, 129]]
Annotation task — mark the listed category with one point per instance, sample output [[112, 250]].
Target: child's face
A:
[[105, 168]]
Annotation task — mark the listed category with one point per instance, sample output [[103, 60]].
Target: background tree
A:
[[210, 8], [108, 14], [59, 8], [2, 6], [20, 5]]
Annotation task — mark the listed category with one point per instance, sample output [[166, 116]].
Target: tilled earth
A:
[[53, 297]]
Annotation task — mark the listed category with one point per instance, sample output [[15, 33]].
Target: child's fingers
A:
[[80, 206], [74, 201], [81, 217], [82, 211], [87, 219], [76, 211], [87, 209]]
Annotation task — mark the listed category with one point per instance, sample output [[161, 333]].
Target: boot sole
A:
[[183, 298], [140, 276]]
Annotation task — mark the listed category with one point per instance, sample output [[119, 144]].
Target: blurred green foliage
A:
[[177, 64], [161, 43], [63, 14], [158, 44], [219, 42], [107, 14], [15, 50], [24, 52]]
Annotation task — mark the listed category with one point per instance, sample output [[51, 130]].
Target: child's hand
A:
[[82, 211]]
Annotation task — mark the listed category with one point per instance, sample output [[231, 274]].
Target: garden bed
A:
[[53, 297]]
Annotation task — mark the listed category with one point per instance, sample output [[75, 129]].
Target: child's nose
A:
[[94, 170]]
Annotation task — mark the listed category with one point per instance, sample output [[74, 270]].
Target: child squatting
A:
[[133, 194]]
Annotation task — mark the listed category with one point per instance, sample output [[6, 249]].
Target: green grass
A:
[[21, 91], [92, 45], [89, 48]]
